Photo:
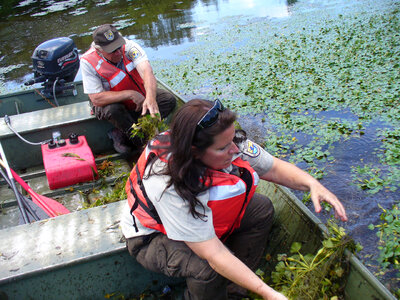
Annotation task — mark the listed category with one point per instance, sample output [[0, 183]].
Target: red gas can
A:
[[68, 162]]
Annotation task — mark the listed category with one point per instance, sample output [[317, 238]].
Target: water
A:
[[187, 32], [161, 27]]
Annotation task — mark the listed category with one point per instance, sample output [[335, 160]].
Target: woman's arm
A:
[[229, 266], [289, 175]]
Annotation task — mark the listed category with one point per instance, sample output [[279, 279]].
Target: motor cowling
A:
[[55, 62]]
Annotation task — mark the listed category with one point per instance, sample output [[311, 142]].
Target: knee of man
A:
[[171, 100], [113, 110]]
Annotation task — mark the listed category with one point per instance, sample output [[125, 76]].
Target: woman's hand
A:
[[289, 175], [269, 293], [276, 296], [229, 266], [319, 193]]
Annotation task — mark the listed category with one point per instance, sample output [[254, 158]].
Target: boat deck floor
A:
[[72, 197], [85, 248]]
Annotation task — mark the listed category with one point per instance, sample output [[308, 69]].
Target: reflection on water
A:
[[158, 25]]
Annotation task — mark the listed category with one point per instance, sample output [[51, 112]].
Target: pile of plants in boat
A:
[[314, 276], [146, 128]]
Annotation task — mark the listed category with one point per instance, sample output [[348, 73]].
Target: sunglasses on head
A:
[[211, 117]]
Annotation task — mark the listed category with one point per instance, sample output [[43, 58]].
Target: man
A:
[[119, 80]]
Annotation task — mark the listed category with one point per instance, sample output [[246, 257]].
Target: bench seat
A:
[[51, 117]]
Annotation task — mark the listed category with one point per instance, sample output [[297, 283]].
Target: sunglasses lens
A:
[[219, 106], [211, 116]]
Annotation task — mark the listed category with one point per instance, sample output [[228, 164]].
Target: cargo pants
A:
[[158, 253]]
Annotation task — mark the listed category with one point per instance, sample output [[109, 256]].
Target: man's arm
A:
[[108, 97], [229, 266], [289, 175], [150, 84]]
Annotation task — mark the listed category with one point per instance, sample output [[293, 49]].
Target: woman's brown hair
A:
[[186, 142]]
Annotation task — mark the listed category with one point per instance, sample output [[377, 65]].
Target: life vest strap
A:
[[149, 208], [246, 177]]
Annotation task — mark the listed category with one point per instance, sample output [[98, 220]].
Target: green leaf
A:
[[295, 247]]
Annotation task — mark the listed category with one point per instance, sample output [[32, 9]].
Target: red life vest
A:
[[118, 79], [229, 195]]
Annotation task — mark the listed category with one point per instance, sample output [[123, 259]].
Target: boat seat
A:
[[45, 118], [85, 249]]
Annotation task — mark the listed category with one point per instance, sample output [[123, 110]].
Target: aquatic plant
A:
[[388, 232], [315, 276], [115, 189], [117, 193], [148, 127]]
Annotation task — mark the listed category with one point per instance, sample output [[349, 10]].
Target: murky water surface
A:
[[160, 26], [316, 82]]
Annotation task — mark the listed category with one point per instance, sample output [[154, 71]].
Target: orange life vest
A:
[[229, 195], [118, 79]]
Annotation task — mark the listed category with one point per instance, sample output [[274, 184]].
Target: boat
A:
[[82, 255]]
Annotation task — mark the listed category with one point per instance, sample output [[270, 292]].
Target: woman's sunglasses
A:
[[211, 116]]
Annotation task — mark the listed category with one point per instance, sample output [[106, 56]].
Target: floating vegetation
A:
[[389, 237], [319, 276], [326, 77], [388, 232]]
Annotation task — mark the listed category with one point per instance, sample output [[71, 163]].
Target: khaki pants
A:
[[156, 252]]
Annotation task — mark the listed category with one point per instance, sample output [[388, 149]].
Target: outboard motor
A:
[[55, 63]]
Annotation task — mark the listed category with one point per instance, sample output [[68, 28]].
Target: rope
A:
[[44, 97]]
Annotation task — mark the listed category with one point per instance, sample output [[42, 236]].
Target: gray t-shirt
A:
[[93, 83], [174, 213]]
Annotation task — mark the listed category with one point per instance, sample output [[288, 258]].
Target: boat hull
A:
[[82, 255]]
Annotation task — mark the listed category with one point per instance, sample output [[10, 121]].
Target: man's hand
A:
[[150, 85], [137, 98], [151, 106]]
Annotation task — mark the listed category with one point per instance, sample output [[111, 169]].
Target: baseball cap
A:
[[108, 38]]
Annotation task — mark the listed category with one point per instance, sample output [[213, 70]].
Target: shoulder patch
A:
[[251, 149], [134, 53]]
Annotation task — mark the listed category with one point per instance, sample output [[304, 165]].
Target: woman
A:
[[192, 208]]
